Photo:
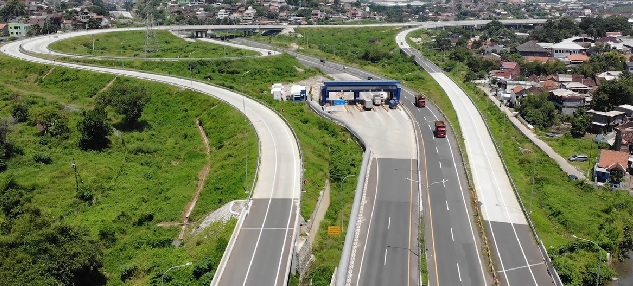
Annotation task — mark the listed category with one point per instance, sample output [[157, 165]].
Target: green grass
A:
[[153, 173], [132, 44], [328, 149], [567, 146]]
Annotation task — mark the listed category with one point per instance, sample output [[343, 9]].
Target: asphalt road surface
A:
[[452, 244], [519, 261], [261, 254]]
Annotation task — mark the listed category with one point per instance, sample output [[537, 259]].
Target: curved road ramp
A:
[[260, 250], [519, 260]]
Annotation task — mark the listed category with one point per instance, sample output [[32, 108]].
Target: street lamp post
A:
[[162, 277], [599, 256], [341, 197], [245, 138], [122, 53]]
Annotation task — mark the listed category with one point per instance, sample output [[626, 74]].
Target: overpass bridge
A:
[[202, 31]]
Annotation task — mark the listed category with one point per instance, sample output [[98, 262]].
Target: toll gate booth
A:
[[392, 87]]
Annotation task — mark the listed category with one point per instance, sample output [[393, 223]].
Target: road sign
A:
[[333, 230]]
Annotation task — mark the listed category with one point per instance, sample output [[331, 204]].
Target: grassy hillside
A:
[[145, 177], [132, 44]]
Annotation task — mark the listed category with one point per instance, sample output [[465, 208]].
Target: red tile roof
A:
[[538, 59], [578, 58], [550, 84], [509, 65], [517, 89], [610, 159]]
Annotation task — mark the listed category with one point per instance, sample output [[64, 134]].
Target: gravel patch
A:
[[230, 210]]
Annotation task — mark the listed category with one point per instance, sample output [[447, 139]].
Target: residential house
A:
[[629, 66], [18, 29], [542, 60], [518, 92], [563, 78], [249, 14], [317, 15], [577, 59], [607, 76], [513, 68], [602, 122], [549, 85], [531, 49], [627, 109], [566, 101], [222, 14], [576, 87], [562, 50], [608, 161], [4, 30], [494, 48], [623, 138]]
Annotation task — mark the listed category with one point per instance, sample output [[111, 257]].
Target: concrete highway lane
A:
[[261, 235], [452, 241], [390, 256], [518, 259]]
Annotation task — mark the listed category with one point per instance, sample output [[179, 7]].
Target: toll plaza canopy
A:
[[357, 86]]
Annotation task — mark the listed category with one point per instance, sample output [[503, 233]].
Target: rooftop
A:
[[610, 159]]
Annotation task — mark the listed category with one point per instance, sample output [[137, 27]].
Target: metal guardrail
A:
[[473, 193], [548, 262], [342, 269]]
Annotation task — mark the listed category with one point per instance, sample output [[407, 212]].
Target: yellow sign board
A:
[[334, 230]]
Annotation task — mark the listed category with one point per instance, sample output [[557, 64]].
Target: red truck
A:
[[440, 129], [420, 101]]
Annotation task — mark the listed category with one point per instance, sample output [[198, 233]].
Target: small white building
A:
[[562, 50], [249, 14], [277, 91], [222, 14]]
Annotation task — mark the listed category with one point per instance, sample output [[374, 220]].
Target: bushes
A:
[[43, 158]]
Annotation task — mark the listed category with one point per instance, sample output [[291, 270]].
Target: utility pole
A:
[[533, 179], [76, 178]]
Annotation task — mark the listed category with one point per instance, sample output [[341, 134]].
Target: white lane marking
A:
[[259, 236], [268, 228], [447, 205], [440, 164], [470, 224], [371, 217], [386, 249], [515, 268], [459, 273], [294, 195], [472, 117], [452, 237], [437, 150], [389, 223]]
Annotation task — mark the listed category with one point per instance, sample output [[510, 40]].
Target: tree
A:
[[12, 9], [53, 121], [537, 110], [94, 129], [126, 99], [555, 30], [20, 112], [616, 175], [93, 23], [579, 124], [613, 93]]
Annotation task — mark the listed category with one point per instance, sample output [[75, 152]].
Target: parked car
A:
[[553, 135], [573, 177], [578, 158]]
